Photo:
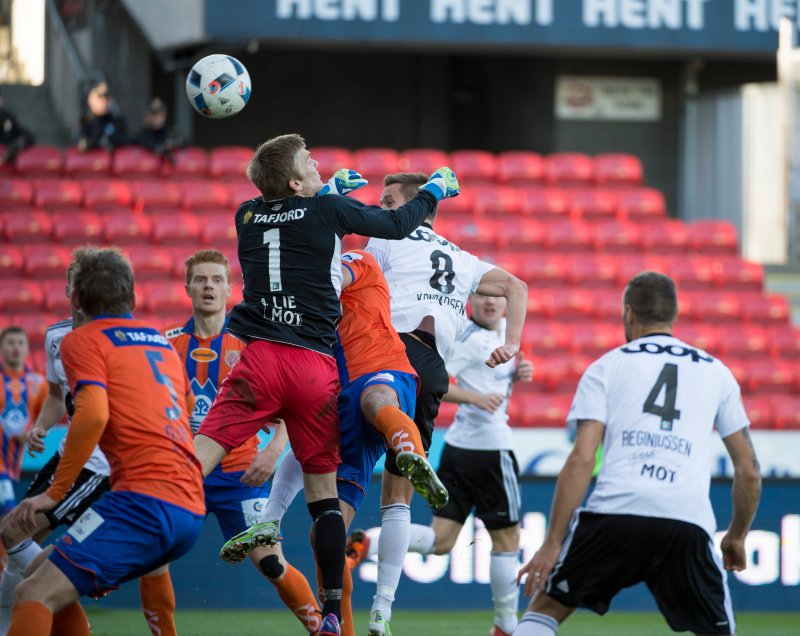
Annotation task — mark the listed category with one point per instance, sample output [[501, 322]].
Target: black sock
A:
[[329, 541]]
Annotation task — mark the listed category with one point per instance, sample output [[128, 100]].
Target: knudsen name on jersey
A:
[[440, 299], [671, 349]]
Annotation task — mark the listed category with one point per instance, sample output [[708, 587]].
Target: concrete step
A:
[[33, 109]]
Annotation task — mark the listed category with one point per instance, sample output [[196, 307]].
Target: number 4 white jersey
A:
[[660, 400], [429, 276]]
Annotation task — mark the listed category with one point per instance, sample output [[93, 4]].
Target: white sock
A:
[[288, 481], [421, 539], [505, 592], [392, 548], [535, 624], [19, 558]]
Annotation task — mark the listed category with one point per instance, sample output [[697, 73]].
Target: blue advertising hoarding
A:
[[736, 27]]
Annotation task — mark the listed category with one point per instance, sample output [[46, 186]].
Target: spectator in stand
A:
[[155, 134], [13, 136], [101, 126]]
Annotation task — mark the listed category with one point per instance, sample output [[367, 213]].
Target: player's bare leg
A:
[[209, 452]]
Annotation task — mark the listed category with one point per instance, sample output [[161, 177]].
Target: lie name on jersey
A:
[[282, 309], [443, 273]]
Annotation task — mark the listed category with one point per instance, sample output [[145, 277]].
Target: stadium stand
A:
[[574, 227]]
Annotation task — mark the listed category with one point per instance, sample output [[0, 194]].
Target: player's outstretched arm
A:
[[571, 487], [53, 409], [486, 401], [343, 182], [746, 493], [499, 282], [265, 462]]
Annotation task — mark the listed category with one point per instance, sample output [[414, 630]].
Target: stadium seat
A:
[[701, 335], [58, 194], [21, 296], [55, 296], [522, 235], [641, 203], [218, 231], [692, 272], [767, 309], [89, 163], [77, 228], [546, 203], [186, 164], [559, 374], [595, 339], [520, 168], [40, 161], [165, 296], [238, 193], [608, 305], [629, 265], [569, 169], [424, 160], [745, 341], [105, 195], [618, 170], [568, 237], [473, 167], [713, 237], [461, 206], [127, 229], [712, 306], [770, 376], [205, 196], [617, 237], [27, 225], [369, 194], [331, 159], [735, 273], [538, 410], [473, 235], [447, 413], [176, 230], [46, 261], [760, 411], [786, 412], [670, 237], [152, 195], [14, 192], [11, 261], [568, 304], [594, 205], [497, 201], [546, 338], [542, 270], [230, 162], [134, 162], [373, 164], [786, 342], [592, 271], [150, 263]]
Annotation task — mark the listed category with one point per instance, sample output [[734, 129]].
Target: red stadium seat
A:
[[538, 410], [693, 272], [713, 237], [126, 229], [569, 169], [568, 237], [46, 261], [461, 206], [90, 163], [671, 237], [205, 195], [760, 411], [165, 296], [11, 261], [608, 305], [498, 201], [369, 194], [593, 271], [15, 192], [36, 325], [40, 161], [58, 194], [595, 339], [473, 166], [230, 162], [522, 235], [238, 193], [21, 296], [447, 413], [559, 375], [546, 203], [157, 195], [77, 228], [568, 304], [135, 161], [179, 229], [702, 335], [545, 339], [150, 263], [186, 164], [770, 376], [27, 225], [617, 237], [712, 306], [745, 341], [520, 168], [218, 231], [786, 412], [55, 297], [631, 264], [618, 170], [374, 163], [424, 160], [594, 205], [474, 235], [767, 309], [738, 274], [641, 203], [331, 159], [107, 194], [786, 342], [542, 270]]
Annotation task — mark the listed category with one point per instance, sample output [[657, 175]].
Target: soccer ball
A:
[[218, 86]]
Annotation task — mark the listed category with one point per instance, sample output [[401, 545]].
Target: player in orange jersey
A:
[[22, 397], [236, 490], [130, 395]]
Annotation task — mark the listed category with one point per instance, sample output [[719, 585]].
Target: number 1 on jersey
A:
[[667, 379], [272, 239]]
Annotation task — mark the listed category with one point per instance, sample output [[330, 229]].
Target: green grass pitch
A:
[[404, 622]]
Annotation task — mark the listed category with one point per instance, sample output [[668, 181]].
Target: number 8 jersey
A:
[[429, 276]]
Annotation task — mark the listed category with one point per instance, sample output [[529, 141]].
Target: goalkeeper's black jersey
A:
[[289, 250]]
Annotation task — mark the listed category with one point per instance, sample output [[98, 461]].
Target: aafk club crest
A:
[[232, 356]]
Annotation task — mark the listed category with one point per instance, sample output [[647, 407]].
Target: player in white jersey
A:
[[654, 404], [478, 466], [430, 280]]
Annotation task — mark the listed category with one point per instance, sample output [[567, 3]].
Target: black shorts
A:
[[84, 492], [486, 480], [434, 382], [604, 554]]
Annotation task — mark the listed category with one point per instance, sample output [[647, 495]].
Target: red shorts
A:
[[278, 380]]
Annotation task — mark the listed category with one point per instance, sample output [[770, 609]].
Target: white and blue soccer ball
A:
[[218, 86]]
